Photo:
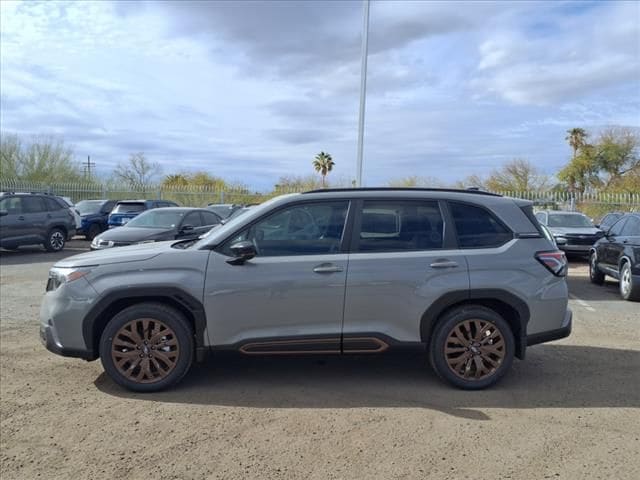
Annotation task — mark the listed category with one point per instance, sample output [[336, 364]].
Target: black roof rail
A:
[[404, 189]]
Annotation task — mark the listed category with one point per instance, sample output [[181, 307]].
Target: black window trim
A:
[[346, 232], [448, 238], [493, 215]]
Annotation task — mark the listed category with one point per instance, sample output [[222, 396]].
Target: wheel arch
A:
[[115, 301], [510, 307]]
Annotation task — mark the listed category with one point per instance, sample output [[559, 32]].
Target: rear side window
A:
[[209, 218], [129, 207], [33, 205], [478, 228], [396, 226]]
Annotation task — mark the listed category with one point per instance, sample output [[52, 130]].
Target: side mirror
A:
[[3, 213], [242, 252]]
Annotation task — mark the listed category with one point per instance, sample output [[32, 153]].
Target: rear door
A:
[[35, 216], [13, 225], [402, 259], [611, 247]]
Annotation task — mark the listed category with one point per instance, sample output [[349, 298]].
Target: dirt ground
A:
[[570, 410]]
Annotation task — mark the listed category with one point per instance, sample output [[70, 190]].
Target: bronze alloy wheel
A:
[[145, 350], [474, 349]]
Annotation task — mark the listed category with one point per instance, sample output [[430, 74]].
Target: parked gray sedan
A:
[[468, 277]]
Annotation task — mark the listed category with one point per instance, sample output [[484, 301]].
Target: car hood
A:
[[132, 253], [137, 234], [575, 230]]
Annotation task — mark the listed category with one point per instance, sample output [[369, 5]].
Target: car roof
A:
[[562, 212]]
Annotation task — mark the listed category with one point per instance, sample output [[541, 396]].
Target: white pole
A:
[[363, 90]]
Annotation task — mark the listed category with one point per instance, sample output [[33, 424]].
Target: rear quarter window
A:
[[477, 227]]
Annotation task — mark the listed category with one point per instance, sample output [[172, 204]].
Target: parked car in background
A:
[[574, 232], [125, 210], [94, 215], [326, 272], [608, 220], [157, 225], [34, 218], [617, 255], [223, 210], [74, 211]]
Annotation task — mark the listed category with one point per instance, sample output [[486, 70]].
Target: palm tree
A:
[[323, 163], [576, 138]]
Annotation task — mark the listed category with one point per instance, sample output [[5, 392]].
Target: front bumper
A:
[[50, 341], [575, 248], [550, 335]]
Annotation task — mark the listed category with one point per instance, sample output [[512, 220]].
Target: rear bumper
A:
[[550, 335]]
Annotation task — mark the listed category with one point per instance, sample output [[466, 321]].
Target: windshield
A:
[[157, 219], [129, 207], [86, 207], [569, 220]]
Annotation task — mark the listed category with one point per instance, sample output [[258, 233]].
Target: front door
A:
[[290, 297]]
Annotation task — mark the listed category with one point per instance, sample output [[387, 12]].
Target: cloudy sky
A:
[[253, 90]]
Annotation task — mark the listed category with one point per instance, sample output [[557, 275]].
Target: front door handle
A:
[[327, 268], [444, 264]]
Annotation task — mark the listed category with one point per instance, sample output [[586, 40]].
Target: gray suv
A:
[[34, 218], [469, 277]]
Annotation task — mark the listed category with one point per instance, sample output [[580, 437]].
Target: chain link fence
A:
[[594, 204]]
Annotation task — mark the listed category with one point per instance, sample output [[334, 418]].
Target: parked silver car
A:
[[574, 232], [467, 276]]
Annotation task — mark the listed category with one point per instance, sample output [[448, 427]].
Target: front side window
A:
[[478, 228], [12, 205], [396, 226], [631, 228], [305, 229], [617, 227]]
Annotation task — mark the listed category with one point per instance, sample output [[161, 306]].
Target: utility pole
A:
[[87, 167], [363, 89]]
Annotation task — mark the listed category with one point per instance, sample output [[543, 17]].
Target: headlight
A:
[[58, 275], [94, 242]]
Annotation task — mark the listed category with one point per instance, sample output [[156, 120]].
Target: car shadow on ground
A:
[[581, 287], [553, 376]]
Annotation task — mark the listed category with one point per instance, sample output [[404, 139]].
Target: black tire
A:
[[629, 289], [595, 275], [94, 231], [158, 315], [55, 240], [487, 320]]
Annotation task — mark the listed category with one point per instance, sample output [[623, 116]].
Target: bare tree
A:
[[137, 170], [518, 175]]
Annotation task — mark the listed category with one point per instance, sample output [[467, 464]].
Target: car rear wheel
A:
[[147, 347], [94, 231], [595, 275], [55, 241], [629, 290], [472, 347]]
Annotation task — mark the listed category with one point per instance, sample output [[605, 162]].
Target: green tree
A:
[[323, 163], [175, 180], [137, 171], [290, 184], [577, 138], [44, 159]]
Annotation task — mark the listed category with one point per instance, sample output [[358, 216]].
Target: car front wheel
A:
[[595, 275], [94, 231], [629, 289], [147, 347], [472, 347]]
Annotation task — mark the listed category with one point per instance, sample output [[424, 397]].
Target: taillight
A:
[[555, 261]]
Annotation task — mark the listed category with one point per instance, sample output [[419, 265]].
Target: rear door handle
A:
[[327, 268], [444, 264], [20, 217]]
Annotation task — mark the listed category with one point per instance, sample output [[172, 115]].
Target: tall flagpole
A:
[[363, 90]]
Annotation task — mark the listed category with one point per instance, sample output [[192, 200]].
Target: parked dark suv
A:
[[94, 215], [125, 210], [618, 255], [32, 218]]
